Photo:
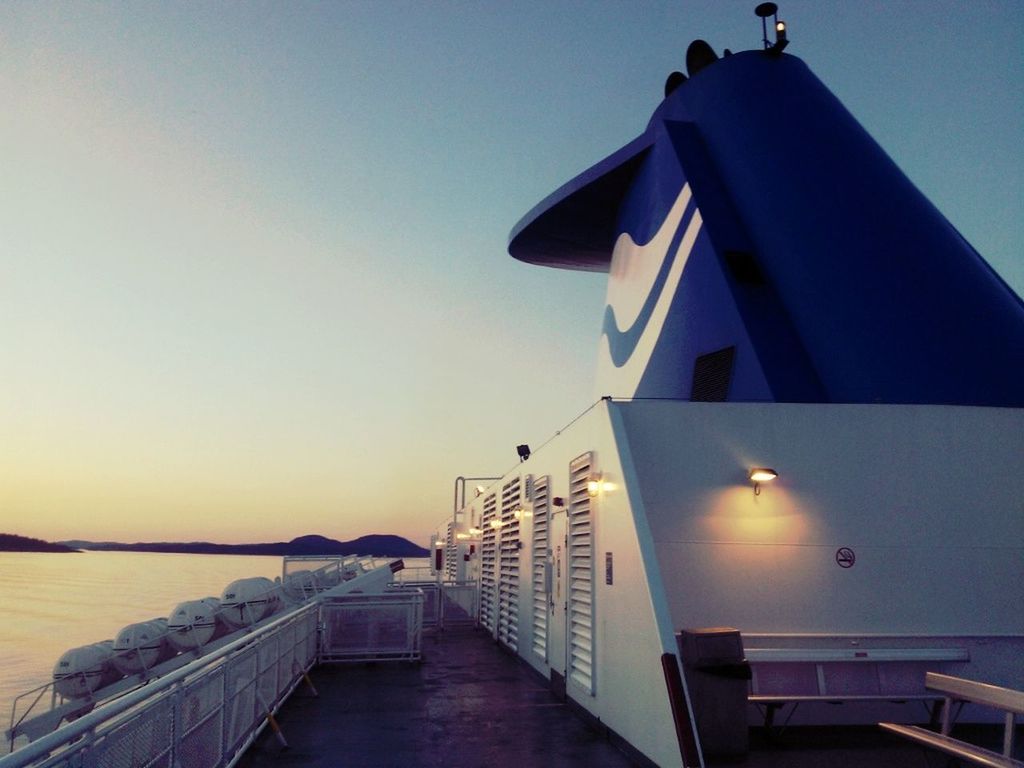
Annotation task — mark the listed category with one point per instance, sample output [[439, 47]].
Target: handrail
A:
[[81, 726], [1010, 701], [128, 682], [961, 689]]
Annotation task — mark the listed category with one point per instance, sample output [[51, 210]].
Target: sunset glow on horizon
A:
[[253, 277]]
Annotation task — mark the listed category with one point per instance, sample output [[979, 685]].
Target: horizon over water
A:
[[51, 602]]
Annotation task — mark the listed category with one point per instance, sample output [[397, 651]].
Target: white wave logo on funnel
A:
[[641, 284]]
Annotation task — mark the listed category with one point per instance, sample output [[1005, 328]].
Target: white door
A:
[[557, 567]]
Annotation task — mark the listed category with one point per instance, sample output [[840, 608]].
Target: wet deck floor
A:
[[470, 704], [467, 704]]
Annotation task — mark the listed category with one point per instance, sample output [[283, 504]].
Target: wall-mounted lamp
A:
[[496, 524], [475, 531], [760, 475], [597, 484], [522, 512], [524, 451]]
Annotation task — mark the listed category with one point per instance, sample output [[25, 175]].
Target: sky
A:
[[253, 270]]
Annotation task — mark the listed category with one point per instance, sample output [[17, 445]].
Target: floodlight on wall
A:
[[522, 512], [597, 485], [760, 475]]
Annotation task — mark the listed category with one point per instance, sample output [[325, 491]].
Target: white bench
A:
[[781, 676], [956, 689]]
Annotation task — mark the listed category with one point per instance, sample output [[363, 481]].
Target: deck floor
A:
[[471, 704], [467, 704]]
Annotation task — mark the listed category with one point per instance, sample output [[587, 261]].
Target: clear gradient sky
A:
[[253, 277]]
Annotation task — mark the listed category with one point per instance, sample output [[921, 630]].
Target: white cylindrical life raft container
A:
[[246, 601], [194, 623], [141, 646], [84, 670]]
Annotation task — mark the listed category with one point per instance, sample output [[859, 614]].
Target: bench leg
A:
[[770, 729]]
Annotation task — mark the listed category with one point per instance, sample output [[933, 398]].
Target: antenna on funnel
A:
[[764, 10]]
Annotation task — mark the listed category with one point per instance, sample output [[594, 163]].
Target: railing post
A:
[[1008, 735], [176, 729], [224, 709]]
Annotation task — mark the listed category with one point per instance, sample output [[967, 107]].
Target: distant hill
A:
[[375, 544], [9, 542]]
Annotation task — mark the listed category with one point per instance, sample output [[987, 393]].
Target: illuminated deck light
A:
[[760, 475]]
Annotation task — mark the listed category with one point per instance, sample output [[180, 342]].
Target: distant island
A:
[[9, 542], [379, 545]]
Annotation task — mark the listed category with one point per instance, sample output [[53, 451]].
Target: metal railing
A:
[[459, 603], [372, 627], [305, 576], [445, 603], [203, 715]]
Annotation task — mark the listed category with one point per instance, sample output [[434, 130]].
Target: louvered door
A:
[[508, 579], [581, 575]]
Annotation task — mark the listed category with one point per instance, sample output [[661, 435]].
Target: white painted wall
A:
[[631, 696], [928, 497]]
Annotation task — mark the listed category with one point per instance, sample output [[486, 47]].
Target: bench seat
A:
[[781, 676]]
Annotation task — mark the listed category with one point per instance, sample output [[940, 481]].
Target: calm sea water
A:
[[52, 602]]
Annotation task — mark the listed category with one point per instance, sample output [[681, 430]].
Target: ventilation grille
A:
[[508, 577], [744, 267], [540, 550], [712, 374], [488, 562], [581, 575], [451, 554]]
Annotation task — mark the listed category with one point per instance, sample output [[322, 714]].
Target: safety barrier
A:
[[459, 603], [445, 603], [203, 715], [372, 627]]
